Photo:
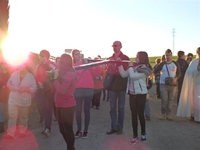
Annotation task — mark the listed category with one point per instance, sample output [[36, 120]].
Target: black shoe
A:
[[85, 134], [104, 98], [111, 132], [97, 108], [78, 134], [143, 138]]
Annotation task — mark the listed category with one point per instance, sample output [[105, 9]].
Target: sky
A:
[[93, 25]]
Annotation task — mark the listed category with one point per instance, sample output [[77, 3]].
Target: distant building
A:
[[68, 51]]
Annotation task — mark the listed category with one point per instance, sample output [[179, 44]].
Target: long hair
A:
[[143, 59], [73, 53], [65, 64]]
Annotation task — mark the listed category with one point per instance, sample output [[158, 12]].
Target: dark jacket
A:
[[183, 67], [118, 83]]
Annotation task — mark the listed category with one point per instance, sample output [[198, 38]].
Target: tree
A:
[[4, 23]]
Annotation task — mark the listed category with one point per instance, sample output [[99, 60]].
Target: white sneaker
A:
[[133, 141], [144, 138], [46, 132]]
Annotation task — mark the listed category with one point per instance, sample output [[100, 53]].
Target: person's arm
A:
[[178, 71], [33, 85], [63, 85], [135, 75], [159, 68], [10, 83], [123, 73]]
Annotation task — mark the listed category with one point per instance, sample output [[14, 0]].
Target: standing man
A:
[[117, 90], [183, 67], [168, 68], [44, 97]]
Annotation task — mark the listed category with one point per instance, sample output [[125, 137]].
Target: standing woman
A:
[[137, 89], [83, 93], [64, 86], [22, 85]]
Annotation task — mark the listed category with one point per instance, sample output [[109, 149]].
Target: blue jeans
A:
[[117, 100], [44, 100], [83, 95], [167, 93], [147, 109], [2, 111]]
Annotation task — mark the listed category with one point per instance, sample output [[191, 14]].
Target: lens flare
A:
[[14, 52]]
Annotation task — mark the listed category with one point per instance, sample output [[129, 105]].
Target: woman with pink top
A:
[[83, 93], [64, 86]]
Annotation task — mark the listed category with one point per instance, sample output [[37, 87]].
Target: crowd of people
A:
[[57, 88]]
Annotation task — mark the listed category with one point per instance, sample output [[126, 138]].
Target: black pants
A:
[[65, 118], [137, 105], [179, 91], [44, 101], [158, 90], [96, 97]]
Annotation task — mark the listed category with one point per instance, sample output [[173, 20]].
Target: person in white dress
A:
[[189, 104]]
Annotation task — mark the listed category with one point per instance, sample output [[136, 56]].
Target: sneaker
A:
[[111, 131], [169, 117], [97, 108], [78, 134], [133, 141], [143, 138], [46, 132], [92, 106], [85, 134], [161, 117]]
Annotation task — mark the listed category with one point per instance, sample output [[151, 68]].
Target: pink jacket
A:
[[64, 90], [85, 76]]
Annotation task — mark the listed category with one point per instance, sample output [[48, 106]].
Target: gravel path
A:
[[179, 134]]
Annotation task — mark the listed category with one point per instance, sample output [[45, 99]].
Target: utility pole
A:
[[173, 38]]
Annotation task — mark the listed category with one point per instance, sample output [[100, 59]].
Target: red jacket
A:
[[40, 74], [85, 76], [98, 83]]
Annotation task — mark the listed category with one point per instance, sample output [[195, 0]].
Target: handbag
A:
[[168, 80], [108, 81]]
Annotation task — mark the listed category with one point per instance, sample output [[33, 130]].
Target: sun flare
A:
[[14, 52]]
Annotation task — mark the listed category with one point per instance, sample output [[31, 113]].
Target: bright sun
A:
[[14, 51]]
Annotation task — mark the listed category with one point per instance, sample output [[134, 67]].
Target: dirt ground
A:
[[179, 134]]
